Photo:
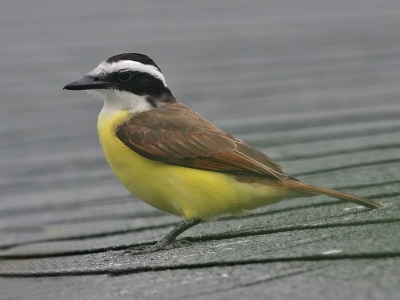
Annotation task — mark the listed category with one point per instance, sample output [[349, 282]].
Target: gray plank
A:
[[277, 280], [318, 213], [314, 244]]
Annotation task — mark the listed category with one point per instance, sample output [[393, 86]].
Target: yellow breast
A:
[[185, 192]]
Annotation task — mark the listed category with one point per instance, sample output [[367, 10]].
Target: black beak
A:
[[86, 83]]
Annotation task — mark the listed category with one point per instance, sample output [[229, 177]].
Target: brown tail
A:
[[308, 188]]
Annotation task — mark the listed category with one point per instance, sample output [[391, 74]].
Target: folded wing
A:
[[175, 134]]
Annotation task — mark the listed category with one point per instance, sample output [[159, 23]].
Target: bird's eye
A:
[[124, 76]]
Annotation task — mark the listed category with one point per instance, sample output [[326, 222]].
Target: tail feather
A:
[[310, 189]]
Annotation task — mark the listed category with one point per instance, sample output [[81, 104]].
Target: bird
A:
[[172, 158]]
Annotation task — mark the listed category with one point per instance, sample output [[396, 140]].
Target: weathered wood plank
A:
[[313, 244], [280, 280], [294, 215]]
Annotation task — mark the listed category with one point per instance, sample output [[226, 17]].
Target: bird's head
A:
[[128, 81]]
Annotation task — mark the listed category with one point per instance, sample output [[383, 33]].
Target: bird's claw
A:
[[144, 249]]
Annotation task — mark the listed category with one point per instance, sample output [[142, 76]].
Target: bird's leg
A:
[[167, 241]]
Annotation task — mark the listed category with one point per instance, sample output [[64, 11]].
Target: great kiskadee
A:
[[174, 159]]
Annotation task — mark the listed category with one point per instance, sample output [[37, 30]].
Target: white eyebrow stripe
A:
[[107, 68]]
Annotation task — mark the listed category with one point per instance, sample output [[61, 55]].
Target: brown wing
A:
[[175, 134]]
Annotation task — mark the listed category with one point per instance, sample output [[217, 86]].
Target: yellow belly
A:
[[189, 193]]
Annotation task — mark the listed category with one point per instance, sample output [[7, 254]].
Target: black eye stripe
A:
[[139, 83]]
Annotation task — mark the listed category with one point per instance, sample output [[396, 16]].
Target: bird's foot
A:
[[141, 250], [144, 249]]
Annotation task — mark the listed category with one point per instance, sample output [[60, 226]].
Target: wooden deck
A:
[[314, 84]]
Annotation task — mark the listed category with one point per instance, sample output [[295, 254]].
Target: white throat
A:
[[115, 101]]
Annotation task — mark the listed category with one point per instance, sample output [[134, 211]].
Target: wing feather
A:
[[164, 135]]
